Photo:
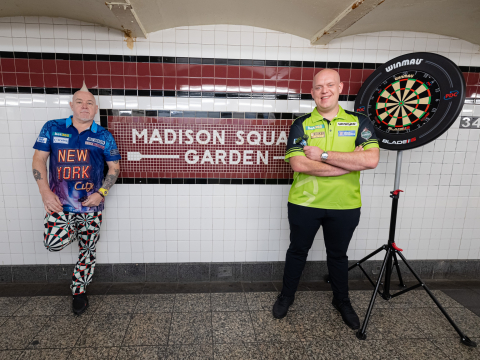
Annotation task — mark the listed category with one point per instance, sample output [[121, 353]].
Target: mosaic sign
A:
[[160, 147]]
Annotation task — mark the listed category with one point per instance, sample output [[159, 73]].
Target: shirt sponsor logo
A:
[[60, 140], [316, 135], [366, 134], [42, 140], [346, 123], [114, 152], [346, 133], [94, 144], [315, 127], [62, 134], [98, 141]]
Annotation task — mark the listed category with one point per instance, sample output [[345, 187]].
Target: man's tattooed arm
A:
[[37, 175], [110, 179]]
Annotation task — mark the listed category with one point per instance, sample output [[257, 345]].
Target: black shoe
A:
[[280, 308], [349, 315], [80, 303]]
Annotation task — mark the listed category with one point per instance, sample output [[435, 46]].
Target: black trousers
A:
[[338, 227]]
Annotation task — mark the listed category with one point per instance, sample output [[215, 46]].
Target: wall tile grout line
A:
[[197, 72]]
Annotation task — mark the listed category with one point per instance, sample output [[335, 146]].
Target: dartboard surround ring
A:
[[412, 99]]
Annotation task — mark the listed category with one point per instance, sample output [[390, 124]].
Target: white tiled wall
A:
[[439, 214]]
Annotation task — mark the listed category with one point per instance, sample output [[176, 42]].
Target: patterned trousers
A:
[[63, 228]]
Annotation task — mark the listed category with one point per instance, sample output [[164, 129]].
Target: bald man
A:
[[326, 149], [74, 196]]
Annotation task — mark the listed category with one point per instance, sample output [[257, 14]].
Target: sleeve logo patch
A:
[[98, 141], [346, 133], [62, 134], [366, 134], [114, 152], [42, 140], [94, 144], [60, 140], [346, 123], [315, 135], [315, 127]]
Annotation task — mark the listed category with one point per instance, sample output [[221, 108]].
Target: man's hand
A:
[[93, 200], [51, 202], [358, 148], [313, 152]]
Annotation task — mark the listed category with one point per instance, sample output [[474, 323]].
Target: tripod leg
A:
[[361, 332], [395, 261], [367, 257], [464, 339]]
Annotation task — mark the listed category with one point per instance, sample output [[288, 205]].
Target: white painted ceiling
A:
[[304, 18]]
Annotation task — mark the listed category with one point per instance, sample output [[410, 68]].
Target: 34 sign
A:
[[468, 122]]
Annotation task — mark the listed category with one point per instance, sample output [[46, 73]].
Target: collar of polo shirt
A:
[[93, 127], [340, 115]]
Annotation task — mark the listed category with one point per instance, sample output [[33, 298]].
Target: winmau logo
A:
[[404, 63]]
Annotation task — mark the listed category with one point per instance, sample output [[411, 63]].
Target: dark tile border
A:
[[199, 61], [104, 273], [428, 270], [257, 271], [125, 288], [203, 181], [59, 273], [161, 272], [29, 273], [99, 288], [5, 274], [129, 272], [194, 272]]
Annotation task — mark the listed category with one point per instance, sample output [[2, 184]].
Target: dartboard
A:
[[412, 99]]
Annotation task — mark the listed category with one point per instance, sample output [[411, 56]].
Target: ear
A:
[[71, 105], [340, 87]]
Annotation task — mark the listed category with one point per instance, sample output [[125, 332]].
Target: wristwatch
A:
[[324, 156], [103, 192]]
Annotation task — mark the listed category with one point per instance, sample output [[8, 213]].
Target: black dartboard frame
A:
[[412, 99]]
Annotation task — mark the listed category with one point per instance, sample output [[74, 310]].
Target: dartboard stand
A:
[[390, 261]]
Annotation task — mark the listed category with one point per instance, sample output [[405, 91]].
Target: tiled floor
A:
[[231, 321]]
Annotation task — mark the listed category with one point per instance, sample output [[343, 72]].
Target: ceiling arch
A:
[[315, 20]]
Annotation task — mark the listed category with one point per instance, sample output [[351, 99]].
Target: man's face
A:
[[83, 106], [326, 90]]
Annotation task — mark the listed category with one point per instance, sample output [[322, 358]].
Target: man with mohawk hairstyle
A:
[[74, 196]]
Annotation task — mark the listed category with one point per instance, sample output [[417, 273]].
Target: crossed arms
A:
[[338, 163]]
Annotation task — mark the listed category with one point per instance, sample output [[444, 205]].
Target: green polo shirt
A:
[[343, 133]]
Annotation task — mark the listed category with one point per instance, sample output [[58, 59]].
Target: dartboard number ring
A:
[[412, 99]]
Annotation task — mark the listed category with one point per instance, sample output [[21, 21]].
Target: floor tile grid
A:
[[171, 350], [95, 303], [126, 330], [256, 334], [18, 315], [442, 344], [214, 343], [451, 304], [211, 324]]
